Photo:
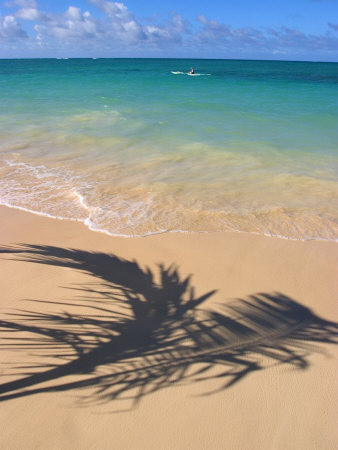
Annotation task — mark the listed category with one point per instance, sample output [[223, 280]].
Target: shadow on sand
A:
[[138, 335]]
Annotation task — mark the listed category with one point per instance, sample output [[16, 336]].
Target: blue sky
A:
[[243, 29]]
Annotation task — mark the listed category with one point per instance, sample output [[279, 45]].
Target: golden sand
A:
[[174, 341]]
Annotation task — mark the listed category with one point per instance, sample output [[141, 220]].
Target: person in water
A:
[[191, 71]]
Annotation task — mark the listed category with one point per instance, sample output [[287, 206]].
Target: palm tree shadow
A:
[[138, 336]]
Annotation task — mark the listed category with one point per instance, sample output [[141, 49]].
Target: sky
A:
[[230, 29]]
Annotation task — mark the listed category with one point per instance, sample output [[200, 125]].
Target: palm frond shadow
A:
[[137, 335]]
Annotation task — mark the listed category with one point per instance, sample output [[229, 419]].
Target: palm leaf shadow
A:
[[138, 335]]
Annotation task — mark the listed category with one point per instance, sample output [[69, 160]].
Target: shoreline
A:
[[126, 236], [59, 269]]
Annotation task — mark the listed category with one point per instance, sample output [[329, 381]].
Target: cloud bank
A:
[[109, 28]]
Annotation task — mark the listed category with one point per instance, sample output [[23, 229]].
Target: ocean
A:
[[133, 147]]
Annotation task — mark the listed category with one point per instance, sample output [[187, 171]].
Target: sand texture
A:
[[174, 341]]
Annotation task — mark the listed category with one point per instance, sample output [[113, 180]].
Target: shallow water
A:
[[131, 148]]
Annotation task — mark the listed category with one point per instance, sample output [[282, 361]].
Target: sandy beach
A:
[[173, 341]]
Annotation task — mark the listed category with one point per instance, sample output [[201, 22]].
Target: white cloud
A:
[[74, 13], [32, 14], [73, 25], [118, 28], [28, 14], [113, 9], [271, 40], [218, 34], [334, 26], [170, 32], [121, 24], [10, 29], [22, 3]]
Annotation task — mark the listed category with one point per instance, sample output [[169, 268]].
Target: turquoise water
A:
[[138, 146]]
